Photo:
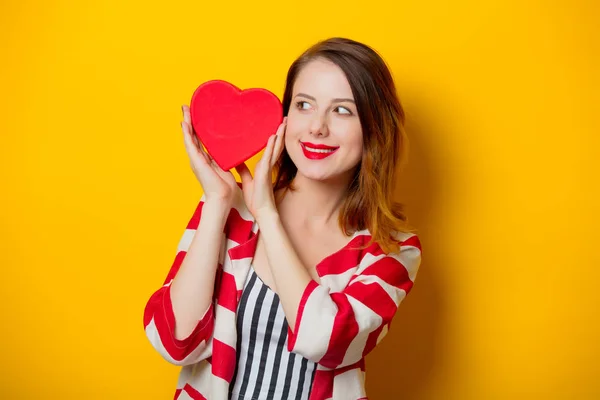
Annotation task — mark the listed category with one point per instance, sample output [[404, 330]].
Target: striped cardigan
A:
[[340, 320]]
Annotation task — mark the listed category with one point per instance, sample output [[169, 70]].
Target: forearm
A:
[[192, 288], [289, 273]]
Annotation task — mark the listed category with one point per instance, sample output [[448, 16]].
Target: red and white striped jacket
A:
[[340, 320]]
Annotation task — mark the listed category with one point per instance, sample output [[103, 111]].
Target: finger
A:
[[280, 142], [202, 151], [200, 146], [186, 114], [196, 141], [194, 138], [192, 149], [187, 139], [188, 119], [245, 174], [189, 146], [266, 158]]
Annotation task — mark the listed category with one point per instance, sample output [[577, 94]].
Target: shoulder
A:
[[408, 242], [400, 264], [409, 252]]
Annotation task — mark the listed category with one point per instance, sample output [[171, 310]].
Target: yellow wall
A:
[[502, 99]]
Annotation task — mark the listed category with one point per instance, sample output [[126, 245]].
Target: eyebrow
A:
[[336, 100]]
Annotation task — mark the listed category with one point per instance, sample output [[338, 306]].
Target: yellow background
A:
[[502, 101]]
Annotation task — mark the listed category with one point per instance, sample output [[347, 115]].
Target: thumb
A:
[[245, 174]]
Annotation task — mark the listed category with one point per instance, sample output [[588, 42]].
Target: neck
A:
[[315, 204]]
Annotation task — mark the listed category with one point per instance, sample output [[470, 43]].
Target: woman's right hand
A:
[[218, 185]]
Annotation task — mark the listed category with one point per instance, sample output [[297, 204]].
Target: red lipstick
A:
[[314, 151]]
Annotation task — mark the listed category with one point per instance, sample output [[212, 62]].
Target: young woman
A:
[[280, 291]]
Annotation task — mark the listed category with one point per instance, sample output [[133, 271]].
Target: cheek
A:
[[296, 124], [300, 118], [351, 136], [357, 136], [294, 129], [291, 133], [290, 140], [356, 148], [358, 142]]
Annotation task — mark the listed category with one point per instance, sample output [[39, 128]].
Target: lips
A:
[[319, 146], [314, 151]]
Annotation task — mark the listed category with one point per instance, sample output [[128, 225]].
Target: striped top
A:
[[265, 369], [339, 321]]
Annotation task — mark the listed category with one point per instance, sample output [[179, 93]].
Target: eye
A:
[[300, 104], [345, 110]]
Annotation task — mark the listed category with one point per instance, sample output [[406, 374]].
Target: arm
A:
[[338, 329], [290, 275], [178, 318]]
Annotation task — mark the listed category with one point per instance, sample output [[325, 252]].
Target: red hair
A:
[[368, 202]]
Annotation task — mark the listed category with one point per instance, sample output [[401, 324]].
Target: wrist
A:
[[218, 205], [216, 208], [267, 216]]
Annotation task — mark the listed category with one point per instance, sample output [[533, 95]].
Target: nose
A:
[[318, 125]]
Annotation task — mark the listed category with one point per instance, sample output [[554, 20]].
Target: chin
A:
[[321, 176], [321, 173], [319, 170]]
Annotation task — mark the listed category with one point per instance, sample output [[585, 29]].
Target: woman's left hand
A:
[[258, 190]]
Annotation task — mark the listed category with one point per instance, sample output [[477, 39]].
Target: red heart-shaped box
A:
[[234, 124]]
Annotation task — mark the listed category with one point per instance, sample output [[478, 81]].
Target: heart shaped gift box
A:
[[234, 124]]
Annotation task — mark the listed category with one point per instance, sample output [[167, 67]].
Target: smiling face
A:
[[323, 135]]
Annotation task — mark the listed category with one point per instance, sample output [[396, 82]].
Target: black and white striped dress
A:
[[265, 369]]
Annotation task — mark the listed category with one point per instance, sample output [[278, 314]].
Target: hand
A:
[[258, 191], [218, 185]]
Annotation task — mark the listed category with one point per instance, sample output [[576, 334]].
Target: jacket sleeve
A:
[[159, 320], [339, 329]]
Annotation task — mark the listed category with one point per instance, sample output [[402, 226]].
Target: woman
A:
[[280, 291]]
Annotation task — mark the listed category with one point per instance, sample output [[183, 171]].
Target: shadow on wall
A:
[[400, 367]]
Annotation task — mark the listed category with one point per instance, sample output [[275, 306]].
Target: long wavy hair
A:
[[368, 202]]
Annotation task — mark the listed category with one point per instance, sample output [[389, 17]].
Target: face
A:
[[323, 135]]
